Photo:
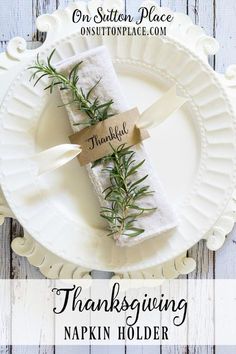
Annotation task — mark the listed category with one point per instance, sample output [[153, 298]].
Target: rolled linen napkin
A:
[[97, 65]]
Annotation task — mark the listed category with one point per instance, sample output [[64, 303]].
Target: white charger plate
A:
[[193, 152]]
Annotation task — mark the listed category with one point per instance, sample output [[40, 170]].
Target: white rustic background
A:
[[218, 18]]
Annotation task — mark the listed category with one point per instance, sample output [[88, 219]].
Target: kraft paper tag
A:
[[96, 140]]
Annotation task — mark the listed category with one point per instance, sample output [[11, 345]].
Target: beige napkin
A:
[[97, 65]]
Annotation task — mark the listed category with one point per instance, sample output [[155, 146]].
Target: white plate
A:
[[194, 153]]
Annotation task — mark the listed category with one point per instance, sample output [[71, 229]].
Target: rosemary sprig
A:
[[92, 108], [124, 192]]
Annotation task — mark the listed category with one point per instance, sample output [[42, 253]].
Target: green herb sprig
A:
[[124, 192], [95, 111]]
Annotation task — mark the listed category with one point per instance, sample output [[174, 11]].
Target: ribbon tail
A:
[[161, 109], [55, 157]]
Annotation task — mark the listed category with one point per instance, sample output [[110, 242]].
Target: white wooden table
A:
[[17, 18]]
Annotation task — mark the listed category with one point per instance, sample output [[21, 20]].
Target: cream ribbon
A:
[[55, 157], [161, 109], [59, 155]]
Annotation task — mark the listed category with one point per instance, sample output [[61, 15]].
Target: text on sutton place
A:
[[114, 16]]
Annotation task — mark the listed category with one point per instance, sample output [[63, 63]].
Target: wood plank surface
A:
[[5, 273], [217, 17], [16, 19]]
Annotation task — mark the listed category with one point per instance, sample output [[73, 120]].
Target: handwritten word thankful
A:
[[114, 134]]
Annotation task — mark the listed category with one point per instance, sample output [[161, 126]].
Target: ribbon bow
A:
[[59, 155]]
